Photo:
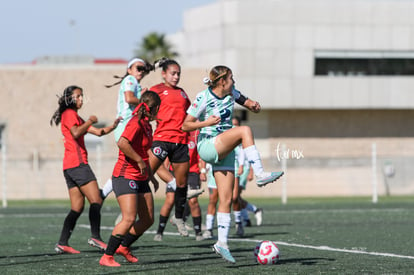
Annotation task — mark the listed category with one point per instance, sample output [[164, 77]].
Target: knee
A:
[[245, 129], [128, 220], [77, 209], [192, 202]]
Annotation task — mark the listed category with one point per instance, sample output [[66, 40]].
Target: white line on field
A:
[[327, 248], [323, 248]]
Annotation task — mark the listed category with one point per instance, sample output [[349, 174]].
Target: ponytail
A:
[[215, 74], [148, 107], [164, 63]]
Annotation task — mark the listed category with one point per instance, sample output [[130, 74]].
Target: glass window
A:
[[364, 66]]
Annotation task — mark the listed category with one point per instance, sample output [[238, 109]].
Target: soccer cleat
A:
[[192, 193], [266, 178], [126, 252], [258, 215], [108, 260], [97, 243], [188, 227], [224, 253], [199, 237], [208, 234], [61, 249], [158, 238], [247, 223], [181, 227], [239, 229]]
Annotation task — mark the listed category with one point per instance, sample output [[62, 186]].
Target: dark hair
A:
[[148, 68], [65, 102], [215, 74], [164, 63], [153, 101]]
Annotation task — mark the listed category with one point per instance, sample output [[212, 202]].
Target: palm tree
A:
[[154, 46]]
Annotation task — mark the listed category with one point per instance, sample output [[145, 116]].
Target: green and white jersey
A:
[[208, 104], [124, 109], [129, 83]]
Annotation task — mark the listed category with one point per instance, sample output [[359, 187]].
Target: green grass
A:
[[315, 236]]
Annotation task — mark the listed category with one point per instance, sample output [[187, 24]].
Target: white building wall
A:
[[270, 46]]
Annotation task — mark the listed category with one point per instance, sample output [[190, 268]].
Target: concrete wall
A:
[[336, 152]]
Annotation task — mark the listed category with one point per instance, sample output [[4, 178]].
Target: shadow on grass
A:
[[53, 258]]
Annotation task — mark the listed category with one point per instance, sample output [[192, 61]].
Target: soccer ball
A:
[[266, 252]]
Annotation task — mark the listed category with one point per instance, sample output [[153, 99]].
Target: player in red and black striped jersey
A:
[[80, 178], [130, 181]]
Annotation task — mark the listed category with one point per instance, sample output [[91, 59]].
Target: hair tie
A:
[[206, 80], [139, 106]]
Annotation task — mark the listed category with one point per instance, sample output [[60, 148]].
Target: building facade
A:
[[333, 78]]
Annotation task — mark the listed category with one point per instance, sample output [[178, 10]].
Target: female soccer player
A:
[[169, 140], [80, 179], [129, 94], [130, 181], [213, 108]]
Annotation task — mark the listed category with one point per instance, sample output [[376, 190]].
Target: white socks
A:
[[254, 159], [223, 224], [209, 222], [237, 216], [107, 187]]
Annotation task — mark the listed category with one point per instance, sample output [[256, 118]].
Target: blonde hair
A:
[[216, 74]]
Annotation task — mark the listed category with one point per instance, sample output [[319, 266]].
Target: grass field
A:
[[315, 236]]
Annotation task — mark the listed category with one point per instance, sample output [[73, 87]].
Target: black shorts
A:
[[122, 186], [193, 182], [176, 152], [78, 176]]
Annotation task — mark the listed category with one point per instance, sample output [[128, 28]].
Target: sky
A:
[[100, 28]]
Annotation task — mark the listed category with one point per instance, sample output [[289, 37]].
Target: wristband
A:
[[203, 170]]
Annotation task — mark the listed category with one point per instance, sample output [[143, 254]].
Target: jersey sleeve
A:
[[198, 107], [129, 84], [70, 119]]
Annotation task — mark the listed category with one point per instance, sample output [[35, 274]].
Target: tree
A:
[[154, 46]]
